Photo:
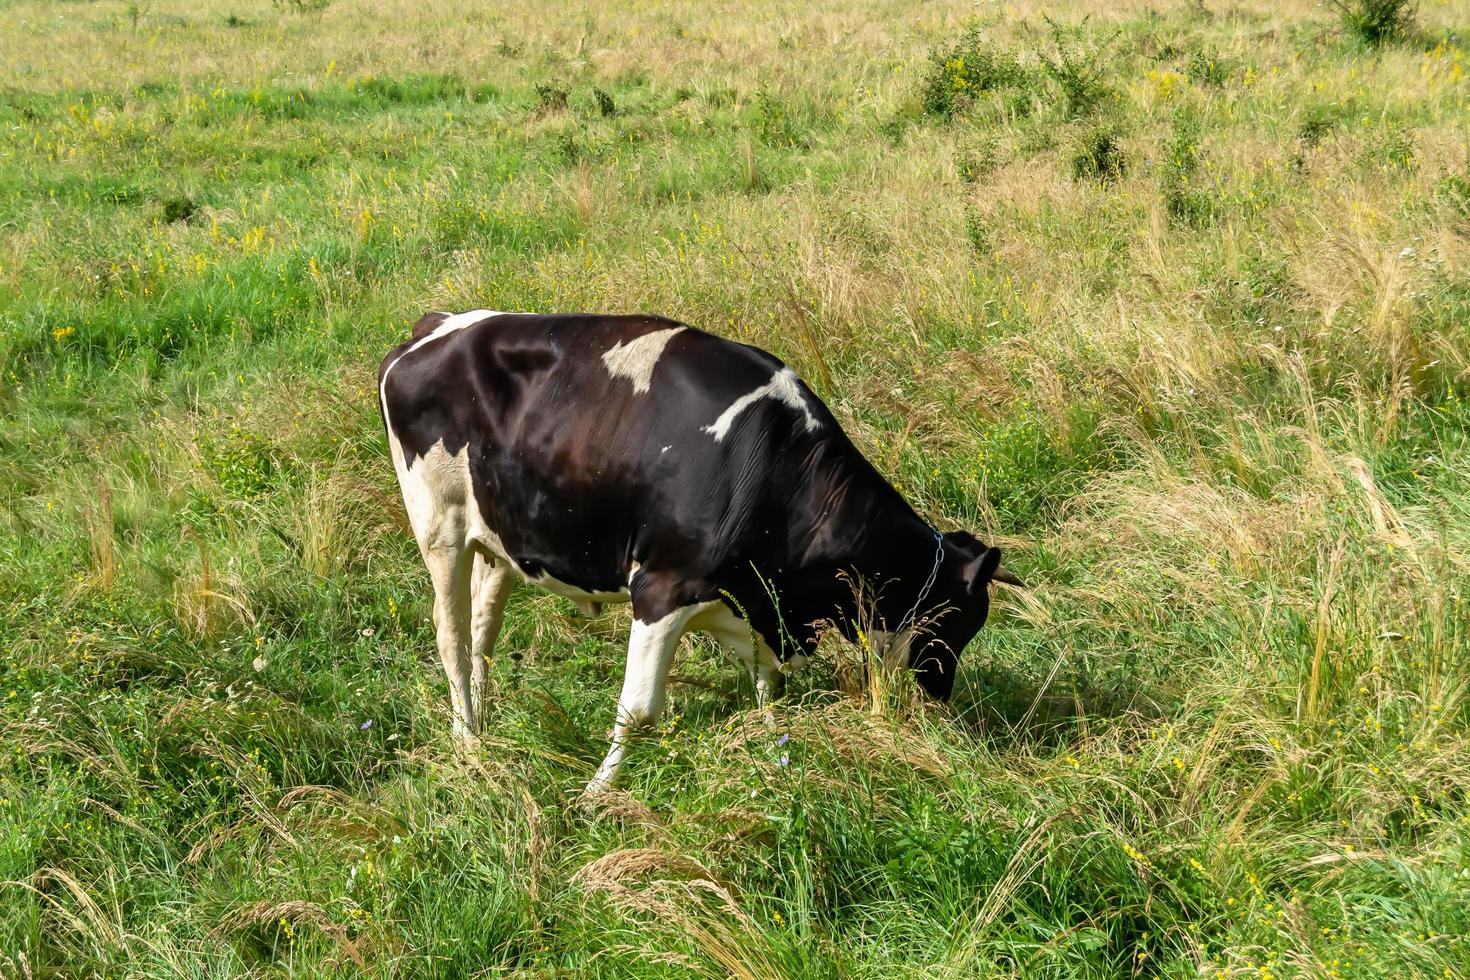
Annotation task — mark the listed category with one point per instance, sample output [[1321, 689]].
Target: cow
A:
[[638, 459]]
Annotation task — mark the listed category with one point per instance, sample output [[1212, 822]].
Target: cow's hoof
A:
[[466, 740]]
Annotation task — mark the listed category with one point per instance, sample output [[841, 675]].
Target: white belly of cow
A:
[[558, 587], [736, 636]]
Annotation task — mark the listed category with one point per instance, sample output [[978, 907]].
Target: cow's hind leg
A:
[[451, 568], [489, 589], [650, 652]]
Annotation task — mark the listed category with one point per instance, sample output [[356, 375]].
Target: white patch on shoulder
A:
[[783, 386], [452, 323], [458, 321], [635, 359]]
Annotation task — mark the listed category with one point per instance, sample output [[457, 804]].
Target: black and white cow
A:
[[636, 459]]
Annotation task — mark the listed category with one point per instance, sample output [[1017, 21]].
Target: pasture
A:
[[1171, 300]]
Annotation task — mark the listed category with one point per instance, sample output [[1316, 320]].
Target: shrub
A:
[[1207, 68], [549, 98], [242, 461], [136, 11], [776, 125], [1184, 200], [1317, 122], [605, 104], [977, 160], [1395, 148], [1077, 71], [1377, 22], [967, 69], [1454, 191], [982, 241], [179, 209], [1099, 157]]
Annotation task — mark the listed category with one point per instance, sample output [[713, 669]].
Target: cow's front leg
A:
[[493, 581], [451, 568], [770, 684], [650, 652]]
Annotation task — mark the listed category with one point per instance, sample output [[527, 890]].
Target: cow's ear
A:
[[979, 572]]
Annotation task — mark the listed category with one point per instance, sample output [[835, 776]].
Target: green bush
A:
[[974, 161], [968, 68], [1099, 157], [550, 98], [776, 125], [1317, 122], [303, 6], [179, 209], [1206, 67], [978, 233], [1077, 70], [1454, 191], [1183, 196], [1377, 22], [241, 460], [1394, 148]]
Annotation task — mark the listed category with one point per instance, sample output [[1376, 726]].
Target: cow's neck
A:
[[897, 564], [869, 528]]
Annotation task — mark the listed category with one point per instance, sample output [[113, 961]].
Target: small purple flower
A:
[[365, 725], [783, 741], [785, 759]]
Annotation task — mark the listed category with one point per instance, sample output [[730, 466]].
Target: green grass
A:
[[1171, 302]]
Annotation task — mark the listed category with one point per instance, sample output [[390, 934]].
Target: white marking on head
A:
[[783, 386], [635, 359]]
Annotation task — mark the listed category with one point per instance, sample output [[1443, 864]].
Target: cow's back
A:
[[597, 444]]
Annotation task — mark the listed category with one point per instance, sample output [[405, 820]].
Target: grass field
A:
[[1169, 299]]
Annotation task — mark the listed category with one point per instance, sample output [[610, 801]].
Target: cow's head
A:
[[954, 610]]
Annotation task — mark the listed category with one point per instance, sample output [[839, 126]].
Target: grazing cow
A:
[[637, 459]]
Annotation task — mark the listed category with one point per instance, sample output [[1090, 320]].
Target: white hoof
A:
[[464, 736]]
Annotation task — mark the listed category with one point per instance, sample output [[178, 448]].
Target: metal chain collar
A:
[[908, 617]]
